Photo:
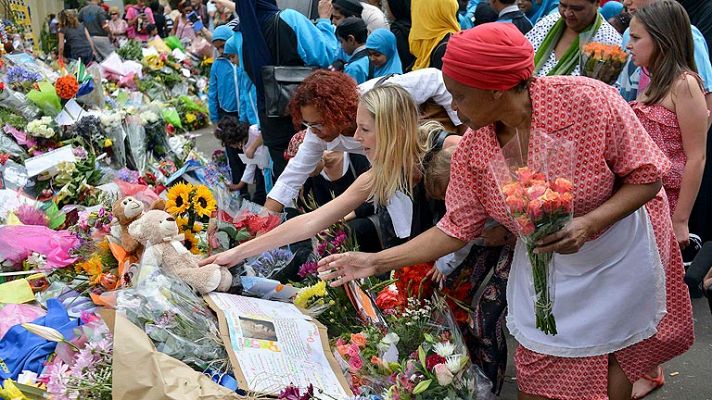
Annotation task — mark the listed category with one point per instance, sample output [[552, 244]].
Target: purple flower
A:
[[80, 153], [293, 393], [308, 268], [18, 74], [128, 175]]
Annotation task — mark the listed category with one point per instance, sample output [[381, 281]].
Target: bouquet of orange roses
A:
[[537, 189], [603, 62]]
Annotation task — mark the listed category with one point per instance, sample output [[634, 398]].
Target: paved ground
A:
[[692, 371]]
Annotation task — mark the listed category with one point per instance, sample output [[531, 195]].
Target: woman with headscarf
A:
[[301, 43], [383, 54], [558, 38], [540, 9], [433, 23], [610, 332], [400, 26], [611, 9]]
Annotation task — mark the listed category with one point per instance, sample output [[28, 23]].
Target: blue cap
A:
[[222, 32]]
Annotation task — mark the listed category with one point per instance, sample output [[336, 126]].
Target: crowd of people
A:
[[403, 106]]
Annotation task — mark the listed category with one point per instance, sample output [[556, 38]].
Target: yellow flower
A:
[[203, 201], [92, 267], [108, 143], [190, 118], [179, 198], [307, 295], [10, 392], [191, 242], [197, 226], [181, 221]]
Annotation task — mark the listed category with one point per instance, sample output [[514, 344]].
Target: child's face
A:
[[219, 46], [377, 59], [524, 5], [234, 59]]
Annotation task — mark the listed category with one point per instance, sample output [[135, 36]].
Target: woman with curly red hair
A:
[[325, 105]]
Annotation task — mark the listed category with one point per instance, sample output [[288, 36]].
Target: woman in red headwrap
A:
[[617, 253]]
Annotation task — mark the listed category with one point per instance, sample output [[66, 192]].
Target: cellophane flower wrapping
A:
[[18, 103], [239, 220], [176, 319], [116, 133], [535, 178], [137, 155], [270, 263], [603, 62]]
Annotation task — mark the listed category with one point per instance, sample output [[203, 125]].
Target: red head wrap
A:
[[494, 56]]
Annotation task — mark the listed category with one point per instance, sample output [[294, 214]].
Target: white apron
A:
[[608, 296]]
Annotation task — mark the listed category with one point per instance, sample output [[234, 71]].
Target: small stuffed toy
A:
[[125, 212], [158, 232]]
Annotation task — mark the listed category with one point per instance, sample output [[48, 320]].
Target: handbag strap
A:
[[276, 34]]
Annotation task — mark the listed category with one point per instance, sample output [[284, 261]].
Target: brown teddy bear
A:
[[158, 232], [126, 211]]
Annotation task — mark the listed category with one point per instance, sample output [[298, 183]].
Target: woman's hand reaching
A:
[[227, 258], [338, 269]]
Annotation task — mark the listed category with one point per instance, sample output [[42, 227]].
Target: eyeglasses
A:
[[313, 126]]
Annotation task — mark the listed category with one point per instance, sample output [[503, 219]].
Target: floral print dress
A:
[[611, 147]]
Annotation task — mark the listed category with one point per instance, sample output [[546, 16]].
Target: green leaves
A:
[[421, 357], [54, 215], [422, 386]]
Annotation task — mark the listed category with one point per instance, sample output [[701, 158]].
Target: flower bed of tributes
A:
[[74, 143]]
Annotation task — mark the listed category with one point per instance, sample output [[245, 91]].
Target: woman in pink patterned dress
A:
[[673, 111], [610, 331]]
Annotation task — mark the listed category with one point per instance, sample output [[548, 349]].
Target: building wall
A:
[[39, 10]]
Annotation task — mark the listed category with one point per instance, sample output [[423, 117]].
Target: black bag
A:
[[280, 82]]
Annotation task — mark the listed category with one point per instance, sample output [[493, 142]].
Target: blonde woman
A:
[[81, 46], [387, 128]]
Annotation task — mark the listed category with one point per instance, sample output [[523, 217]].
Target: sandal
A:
[[658, 381]]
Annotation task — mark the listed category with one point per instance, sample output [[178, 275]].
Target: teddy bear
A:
[[126, 211], [158, 232]]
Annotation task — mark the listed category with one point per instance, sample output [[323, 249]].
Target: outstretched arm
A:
[[301, 227]]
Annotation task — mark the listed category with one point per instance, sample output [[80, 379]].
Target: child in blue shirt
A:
[[223, 95]]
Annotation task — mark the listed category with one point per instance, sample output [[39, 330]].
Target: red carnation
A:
[[432, 360]]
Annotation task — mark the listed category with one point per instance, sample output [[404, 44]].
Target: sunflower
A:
[[181, 221], [191, 242], [179, 198], [203, 202]]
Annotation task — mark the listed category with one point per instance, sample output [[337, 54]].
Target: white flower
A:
[[456, 363], [444, 349], [40, 128], [390, 338], [148, 117], [44, 332], [37, 260]]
